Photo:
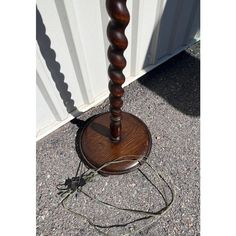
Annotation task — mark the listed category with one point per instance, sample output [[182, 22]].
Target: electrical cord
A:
[[76, 184]]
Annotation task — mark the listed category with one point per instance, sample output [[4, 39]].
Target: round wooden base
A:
[[96, 148]]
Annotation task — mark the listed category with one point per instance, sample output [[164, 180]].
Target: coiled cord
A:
[[75, 185]]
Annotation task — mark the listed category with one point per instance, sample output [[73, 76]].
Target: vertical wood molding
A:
[[105, 20], [67, 12], [47, 97], [159, 12], [81, 74], [192, 17], [135, 22], [175, 26], [47, 87]]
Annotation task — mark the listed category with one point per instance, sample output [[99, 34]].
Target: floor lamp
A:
[[115, 134]]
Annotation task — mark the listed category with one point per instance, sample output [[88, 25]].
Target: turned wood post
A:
[[96, 146], [119, 15]]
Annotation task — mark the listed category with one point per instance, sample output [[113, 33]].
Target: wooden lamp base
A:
[[96, 148], [115, 134]]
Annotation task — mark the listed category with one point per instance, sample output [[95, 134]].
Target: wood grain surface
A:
[[96, 147], [119, 19]]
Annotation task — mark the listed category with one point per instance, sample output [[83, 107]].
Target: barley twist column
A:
[[115, 134], [119, 15]]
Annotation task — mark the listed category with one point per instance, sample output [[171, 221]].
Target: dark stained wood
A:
[[115, 134], [119, 15], [96, 147]]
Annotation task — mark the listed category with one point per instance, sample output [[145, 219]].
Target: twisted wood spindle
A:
[[119, 15], [115, 134]]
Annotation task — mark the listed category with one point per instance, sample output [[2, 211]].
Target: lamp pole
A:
[[115, 134], [119, 19]]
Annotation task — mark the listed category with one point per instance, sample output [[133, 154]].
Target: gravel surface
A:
[[167, 99]]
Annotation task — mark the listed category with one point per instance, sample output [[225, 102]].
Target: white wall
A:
[[71, 53]]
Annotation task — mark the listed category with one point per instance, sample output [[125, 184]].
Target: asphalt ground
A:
[[167, 99]]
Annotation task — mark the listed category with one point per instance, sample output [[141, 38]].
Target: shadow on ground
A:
[[178, 82], [167, 100]]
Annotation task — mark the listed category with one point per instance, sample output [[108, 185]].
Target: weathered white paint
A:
[[158, 30]]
